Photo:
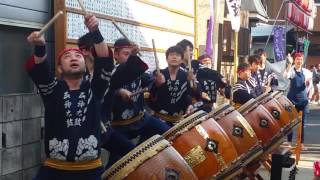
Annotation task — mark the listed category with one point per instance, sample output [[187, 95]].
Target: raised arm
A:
[[103, 63], [286, 73], [92, 23], [37, 66]]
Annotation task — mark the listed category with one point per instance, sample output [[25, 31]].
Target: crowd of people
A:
[[98, 100]]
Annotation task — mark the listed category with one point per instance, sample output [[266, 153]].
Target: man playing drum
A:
[[244, 89], [127, 113], [72, 107], [170, 95]]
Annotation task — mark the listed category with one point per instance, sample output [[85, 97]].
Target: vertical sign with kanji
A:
[[234, 13]]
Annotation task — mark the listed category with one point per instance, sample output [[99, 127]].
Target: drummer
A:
[[266, 75], [255, 62], [114, 142], [244, 88], [300, 78], [187, 48], [170, 95], [210, 82], [72, 107], [126, 112]]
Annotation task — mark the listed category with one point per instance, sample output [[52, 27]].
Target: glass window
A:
[[14, 51]]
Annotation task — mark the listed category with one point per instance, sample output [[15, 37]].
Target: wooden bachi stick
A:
[[82, 6], [45, 27], [190, 70], [122, 33], [139, 92], [155, 56]]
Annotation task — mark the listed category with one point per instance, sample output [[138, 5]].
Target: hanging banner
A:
[[278, 41], [306, 44], [208, 49], [209, 41], [234, 13], [301, 18]]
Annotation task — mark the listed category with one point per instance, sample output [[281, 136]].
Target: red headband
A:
[[67, 50], [298, 54], [124, 46], [240, 70]]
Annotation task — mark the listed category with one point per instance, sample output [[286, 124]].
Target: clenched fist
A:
[[159, 79], [91, 22], [36, 39], [125, 94]]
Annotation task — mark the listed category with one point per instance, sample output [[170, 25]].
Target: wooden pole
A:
[[215, 34], [299, 136], [235, 61], [45, 27]]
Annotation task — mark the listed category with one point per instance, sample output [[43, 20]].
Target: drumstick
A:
[[155, 56], [103, 128], [122, 33], [82, 6], [45, 27], [190, 70], [139, 92]]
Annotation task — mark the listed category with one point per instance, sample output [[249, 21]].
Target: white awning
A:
[[262, 29], [256, 9]]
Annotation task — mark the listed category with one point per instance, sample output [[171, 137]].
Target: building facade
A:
[[21, 112]]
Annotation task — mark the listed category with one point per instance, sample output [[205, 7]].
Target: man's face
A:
[[122, 55], [298, 61], [263, 57], [318, 66], [206, 62], [174, 59], [72, 63], [245, 75], [188, 53], [254, 67]]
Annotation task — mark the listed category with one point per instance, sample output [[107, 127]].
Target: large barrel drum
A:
[[275, 109], [289, 108], [264, 125], [203, 144], [153, 159], [239, 131]]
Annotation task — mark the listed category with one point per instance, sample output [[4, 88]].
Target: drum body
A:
[[275, 109], [153, 159], [262, 122], [203, 144], [287, 105], [239, 131]]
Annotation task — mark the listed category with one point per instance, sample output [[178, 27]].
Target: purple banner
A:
[[278, 43], [209, 48]]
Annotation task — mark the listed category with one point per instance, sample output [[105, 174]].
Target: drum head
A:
[[136, 157], [263, 97], [221, 109], [251, 104], [185, 125]]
